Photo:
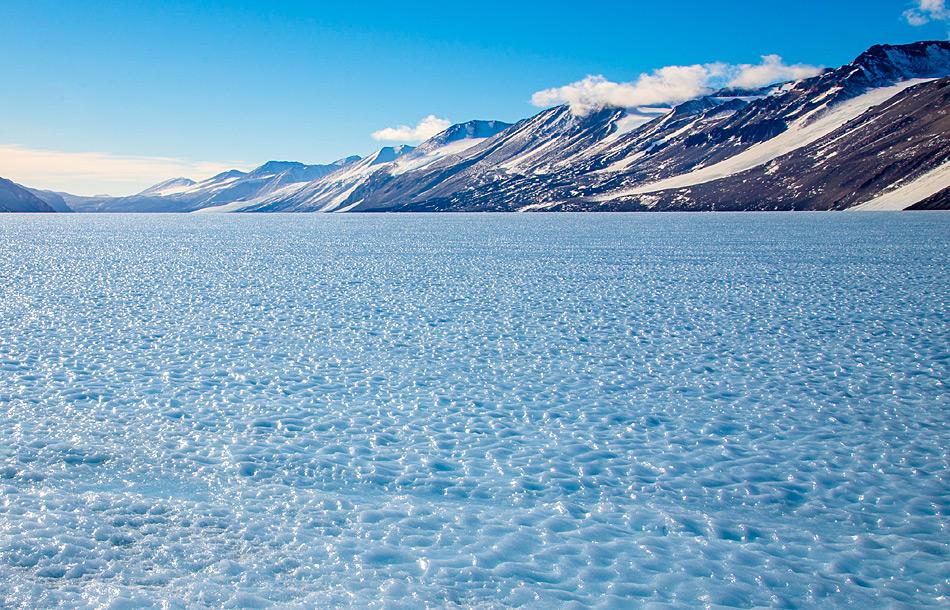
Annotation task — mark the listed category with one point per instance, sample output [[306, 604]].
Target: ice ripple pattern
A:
[[474, 411]]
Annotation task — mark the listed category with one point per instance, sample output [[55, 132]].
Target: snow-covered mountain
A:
[[328, 193], [185, 195], [557, 161], [873, 134], [347, 188]]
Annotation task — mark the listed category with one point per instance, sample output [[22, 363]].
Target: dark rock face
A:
[[939, 201]]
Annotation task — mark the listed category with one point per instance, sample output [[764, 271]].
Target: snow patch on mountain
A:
[[909, 193], [423, 159], [635, 118], [169, 187]]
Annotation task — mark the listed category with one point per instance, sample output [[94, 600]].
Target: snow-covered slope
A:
[[169, 187], [905, 194], [330, 192], [351, 186], [799, 133]]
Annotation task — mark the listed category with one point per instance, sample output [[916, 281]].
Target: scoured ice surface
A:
[[474, 411]]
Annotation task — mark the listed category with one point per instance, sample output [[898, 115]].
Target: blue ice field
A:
[[475, 411]]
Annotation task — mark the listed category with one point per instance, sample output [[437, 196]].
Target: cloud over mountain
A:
[[424, 129], [772, 70], [669, 85]]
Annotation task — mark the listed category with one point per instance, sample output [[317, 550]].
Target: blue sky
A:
[[146, 88]]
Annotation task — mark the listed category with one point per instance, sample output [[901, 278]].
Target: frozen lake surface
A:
[[475, 411]]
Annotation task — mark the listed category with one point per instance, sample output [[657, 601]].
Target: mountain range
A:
[[872, 134]]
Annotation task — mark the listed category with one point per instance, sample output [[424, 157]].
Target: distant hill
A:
[[15, 198]]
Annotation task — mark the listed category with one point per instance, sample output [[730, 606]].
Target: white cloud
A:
[[925, 11], [425, 129], [89, 173], [771, 70], [669, 85]]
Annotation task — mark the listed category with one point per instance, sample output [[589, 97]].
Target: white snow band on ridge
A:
[[908, 194]]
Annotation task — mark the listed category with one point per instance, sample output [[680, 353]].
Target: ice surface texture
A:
[[489, 411]]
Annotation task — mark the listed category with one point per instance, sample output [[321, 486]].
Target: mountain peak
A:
[[346, 160], [892, 63], [168, 185], [472, 129], [919, 48], [387, 154], [231, 173], [275, 167]]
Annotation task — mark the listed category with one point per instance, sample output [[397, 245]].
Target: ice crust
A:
[[474, 411]]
